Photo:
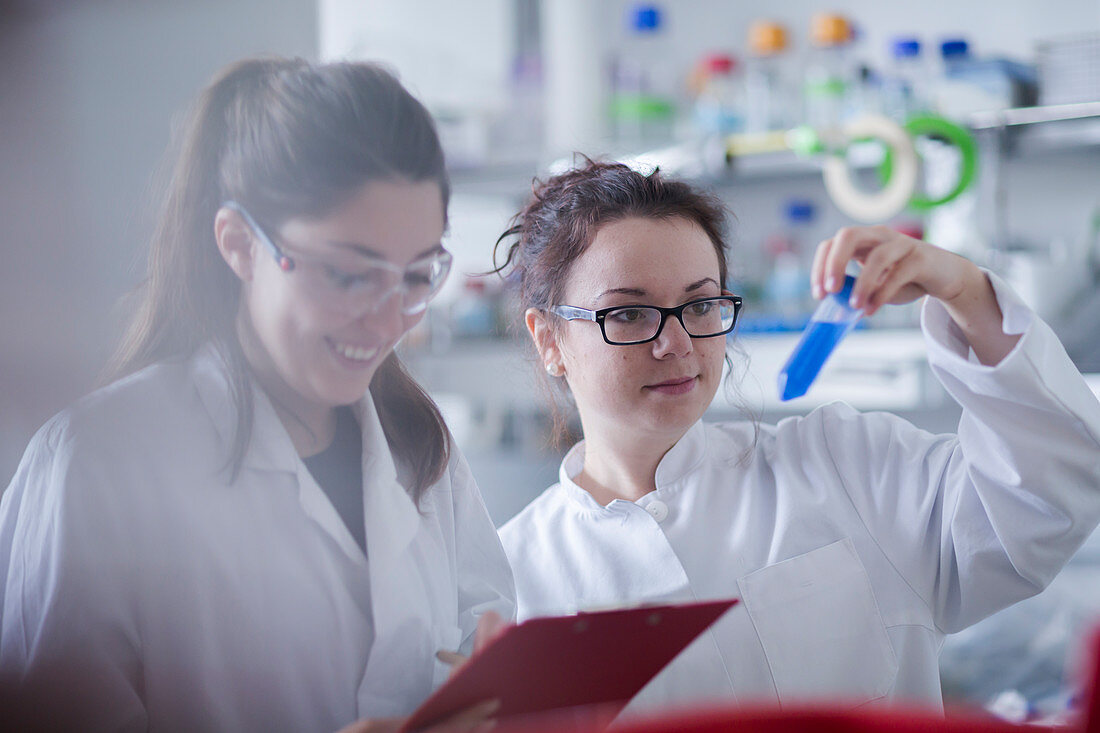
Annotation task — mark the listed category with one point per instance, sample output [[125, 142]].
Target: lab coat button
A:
[[658, 510]]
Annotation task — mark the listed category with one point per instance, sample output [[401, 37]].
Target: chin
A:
[[348, 393], [687, 414]]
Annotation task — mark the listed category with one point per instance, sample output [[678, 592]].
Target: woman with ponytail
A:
[[261, 523]]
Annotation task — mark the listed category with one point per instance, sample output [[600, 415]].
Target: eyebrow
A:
[[641, 292]]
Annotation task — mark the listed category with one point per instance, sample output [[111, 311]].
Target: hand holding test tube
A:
[[895, 269]]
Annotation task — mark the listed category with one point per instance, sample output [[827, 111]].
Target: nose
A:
[[673, 340], [384, 315]]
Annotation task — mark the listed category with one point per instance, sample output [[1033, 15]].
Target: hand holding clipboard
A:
[[560, 662], [489, 626]]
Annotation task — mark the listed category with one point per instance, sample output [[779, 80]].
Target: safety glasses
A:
[[362, 289]]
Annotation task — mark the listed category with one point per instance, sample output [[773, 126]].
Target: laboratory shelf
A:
[[1040, 130], [1023, 130], [1020, 116]]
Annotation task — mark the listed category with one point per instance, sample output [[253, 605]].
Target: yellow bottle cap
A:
[[767, 37], [829, 29]]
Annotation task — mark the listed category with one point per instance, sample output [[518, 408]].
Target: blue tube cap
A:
[[906, 48], [645, 18], [954, 48]]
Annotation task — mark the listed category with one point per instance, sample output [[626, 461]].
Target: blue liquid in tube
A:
[[829, 324]]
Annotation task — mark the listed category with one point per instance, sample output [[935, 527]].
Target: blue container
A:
[[832, 320]]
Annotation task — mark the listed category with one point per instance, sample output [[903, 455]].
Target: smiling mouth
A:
[[355, 353]]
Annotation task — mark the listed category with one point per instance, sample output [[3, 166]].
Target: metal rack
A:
[[1024, 132]]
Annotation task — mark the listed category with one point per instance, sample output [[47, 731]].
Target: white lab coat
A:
[[156, 595], [855, 541]]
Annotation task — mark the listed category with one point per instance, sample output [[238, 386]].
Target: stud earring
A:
[[554, 370]]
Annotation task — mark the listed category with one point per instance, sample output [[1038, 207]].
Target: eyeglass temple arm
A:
[[277, 253], [572, 313]]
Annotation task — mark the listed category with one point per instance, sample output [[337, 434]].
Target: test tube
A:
[[829, 324]]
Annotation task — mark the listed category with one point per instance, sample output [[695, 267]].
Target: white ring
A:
[[879, 205]]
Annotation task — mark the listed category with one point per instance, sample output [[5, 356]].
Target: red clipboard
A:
[[544, 664]]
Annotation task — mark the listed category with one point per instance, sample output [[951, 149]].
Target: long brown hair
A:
[[286, 139]]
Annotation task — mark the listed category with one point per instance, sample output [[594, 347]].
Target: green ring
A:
[[960, 137]]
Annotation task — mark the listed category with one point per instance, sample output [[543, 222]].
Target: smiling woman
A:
[[261, 524], [315, 328]]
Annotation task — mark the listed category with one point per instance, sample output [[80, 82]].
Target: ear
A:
[[546, 342], [234, 238]]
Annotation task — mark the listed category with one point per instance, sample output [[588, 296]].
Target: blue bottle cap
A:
[[645, 18], [845, 293], [954, 48], [906, 47], [799, 211]]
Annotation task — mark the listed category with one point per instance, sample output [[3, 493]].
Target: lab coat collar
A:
[[269, 447], [400, 603], [680, 460], [392, 517], [390, 514], [571, 465]]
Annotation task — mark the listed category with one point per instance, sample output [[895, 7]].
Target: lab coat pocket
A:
[[447, 638], [820, 627]]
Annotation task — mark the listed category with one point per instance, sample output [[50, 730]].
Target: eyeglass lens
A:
[[370, 288]]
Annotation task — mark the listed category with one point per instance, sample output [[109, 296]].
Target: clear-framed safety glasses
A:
[[362, 289]]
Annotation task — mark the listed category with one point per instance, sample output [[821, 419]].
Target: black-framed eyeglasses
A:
[[624, 325], [366, 288]]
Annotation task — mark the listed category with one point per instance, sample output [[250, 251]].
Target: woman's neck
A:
[[616, 467], [310, 433]]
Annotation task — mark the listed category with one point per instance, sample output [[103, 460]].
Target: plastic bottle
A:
[[787, 287], [719, 102], [767, 97], [953, 52], [952, 94], [953, 225], [905, 88], [829, 324], [800, 215], [829, 74], [967, 84], [643, 89]]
